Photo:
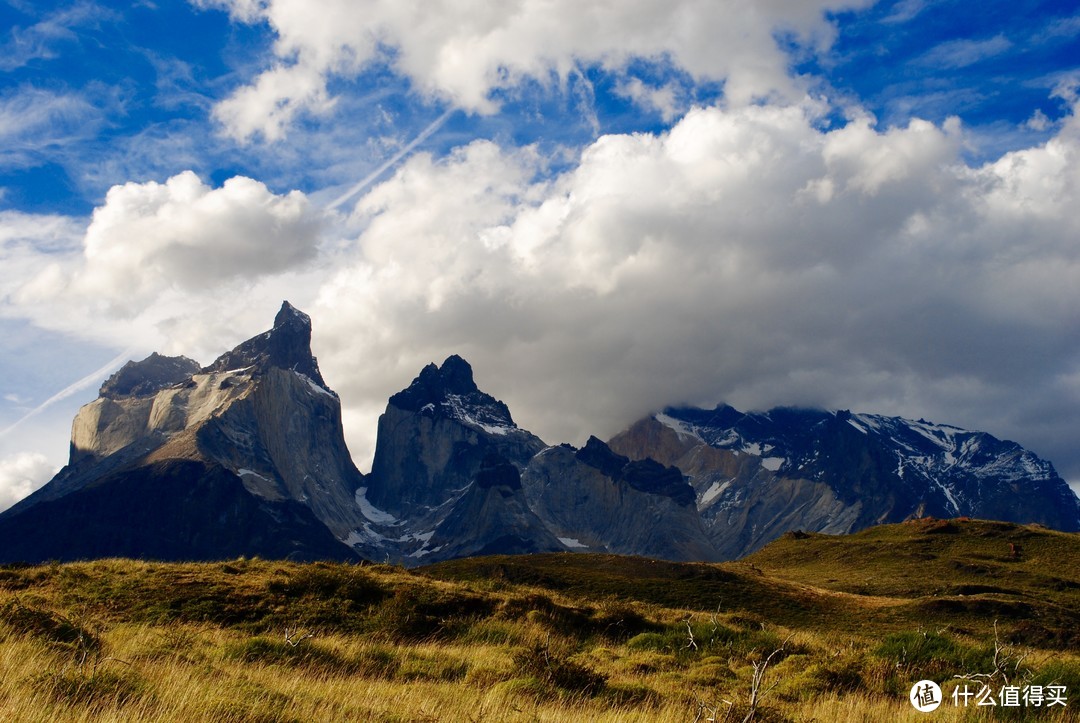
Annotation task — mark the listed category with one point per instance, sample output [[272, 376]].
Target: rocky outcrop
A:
[[491, 518], [454, 475], [146, 377]]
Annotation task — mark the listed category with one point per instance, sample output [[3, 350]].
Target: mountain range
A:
[[247, 456]]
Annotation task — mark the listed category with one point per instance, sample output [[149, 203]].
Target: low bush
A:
[[415, 614], [558, 671], [306, 654], [48, 626]]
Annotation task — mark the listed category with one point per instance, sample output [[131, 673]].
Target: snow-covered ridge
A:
[[682, 429], [485, 417], [936, 449], [938, 454]]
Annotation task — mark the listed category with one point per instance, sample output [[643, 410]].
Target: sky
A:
[[606, 207]]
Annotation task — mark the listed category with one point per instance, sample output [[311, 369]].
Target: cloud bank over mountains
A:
[[773, 248]]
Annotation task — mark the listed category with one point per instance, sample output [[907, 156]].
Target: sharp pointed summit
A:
[[286, 346]]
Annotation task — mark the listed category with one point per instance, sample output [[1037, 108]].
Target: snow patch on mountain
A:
[[315, 387], [371, 512], [714, 491], [485, 417], [681, 429], [773, 464]]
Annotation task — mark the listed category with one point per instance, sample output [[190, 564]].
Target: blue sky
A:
[[842, 204]]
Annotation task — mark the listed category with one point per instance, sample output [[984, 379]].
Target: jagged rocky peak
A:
[[146, 377], [449, 391], [286, 346]]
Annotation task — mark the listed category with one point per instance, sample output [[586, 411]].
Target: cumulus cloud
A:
[[463, 53], [150, 237], [745, 256], [21, 474]]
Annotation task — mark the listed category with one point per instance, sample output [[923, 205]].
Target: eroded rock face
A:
[[284, 439], [111, 423], [454, 475], [286, 346], [491, 518]]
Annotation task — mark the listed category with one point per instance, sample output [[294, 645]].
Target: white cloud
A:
[[269, 105], [33, 121], [664, 99], [39, 40], [151, 237], [745, 256], [462, 52], [21, 474], [962, 53], [905, 10]]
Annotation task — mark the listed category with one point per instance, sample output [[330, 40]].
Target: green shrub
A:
[[322, 580], [48, 626], [919, 649], [490, 632], [711, 638], [834, 676], [414, 614], [306, 654], [558, 671]]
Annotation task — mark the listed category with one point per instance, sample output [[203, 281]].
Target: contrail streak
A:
[[89, 380], [369, 178]]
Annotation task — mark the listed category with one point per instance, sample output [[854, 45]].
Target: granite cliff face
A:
[[259, 421], [757, 476], [434, 436]]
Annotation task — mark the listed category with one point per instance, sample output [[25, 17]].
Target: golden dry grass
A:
[[546, 638]]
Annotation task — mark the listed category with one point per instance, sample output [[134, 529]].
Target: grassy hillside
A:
[[845, 624]]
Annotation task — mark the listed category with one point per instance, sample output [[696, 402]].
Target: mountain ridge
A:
[[454, 475]]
